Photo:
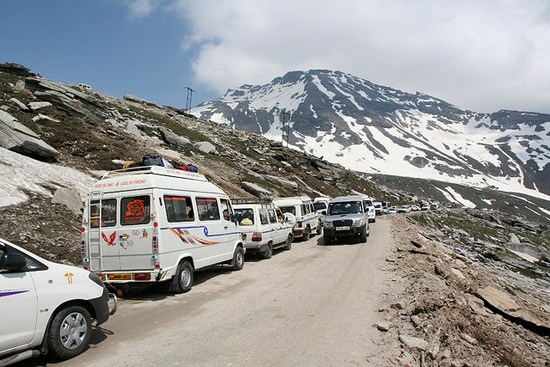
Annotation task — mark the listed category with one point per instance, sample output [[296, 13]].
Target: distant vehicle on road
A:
[[369, 208]]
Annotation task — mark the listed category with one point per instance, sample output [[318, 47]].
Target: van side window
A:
[[208, 208], [178, 208], [227, 210], [272, 216], [263, 216], [135, 210], [108, 213]]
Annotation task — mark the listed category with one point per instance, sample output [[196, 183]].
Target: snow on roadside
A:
[[19, 173]]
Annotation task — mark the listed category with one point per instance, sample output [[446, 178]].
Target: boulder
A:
[[70, 197], [18, 104], [283, 181], [256, 190], [413, 343], [172, 138], [38, 105], [17, 137], [206, 147]]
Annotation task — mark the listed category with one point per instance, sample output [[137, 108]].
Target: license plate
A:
[[346, 228], [120, 276]]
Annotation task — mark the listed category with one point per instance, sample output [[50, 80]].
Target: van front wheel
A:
[[183, 280], [238, 258]]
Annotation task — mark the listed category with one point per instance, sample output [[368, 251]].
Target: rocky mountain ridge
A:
[[375, 129]]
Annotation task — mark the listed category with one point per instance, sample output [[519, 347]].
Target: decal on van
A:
[[187, 237], [111, 240], [12, 293]]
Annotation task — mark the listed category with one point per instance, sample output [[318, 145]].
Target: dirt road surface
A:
[[314, 305]]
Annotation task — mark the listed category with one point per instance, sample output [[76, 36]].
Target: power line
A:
[[188, 99], [286, 133]]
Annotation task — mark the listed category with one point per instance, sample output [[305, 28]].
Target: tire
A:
[[238, 258], [363, 237], [69, 333], [288, 243], [183, 280], [327, 240], [268, 252], [307, 234]]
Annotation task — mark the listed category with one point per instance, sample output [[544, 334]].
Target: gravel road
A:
[[314, 305]]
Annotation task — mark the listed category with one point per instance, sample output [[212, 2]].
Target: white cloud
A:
[[141, 8], [478, 55]]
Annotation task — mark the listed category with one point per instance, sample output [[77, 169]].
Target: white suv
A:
[[265, 226], [47, 307], [346, 217], [308, 221]]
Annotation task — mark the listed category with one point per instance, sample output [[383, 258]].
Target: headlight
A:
[[359, 222], [328, 224]]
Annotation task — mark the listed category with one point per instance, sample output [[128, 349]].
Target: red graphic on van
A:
[[111, 240], [135, 212], [185, 236]]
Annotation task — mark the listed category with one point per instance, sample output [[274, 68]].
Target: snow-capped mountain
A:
[[372, 128]]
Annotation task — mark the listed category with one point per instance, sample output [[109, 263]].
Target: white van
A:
[[308, 221], [265, 226], [154, 224], [47, 308]]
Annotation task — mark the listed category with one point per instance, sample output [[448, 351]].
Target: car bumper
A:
[[352, 231], [104, 306]]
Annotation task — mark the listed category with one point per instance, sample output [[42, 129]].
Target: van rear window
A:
[[208, 208], [178, 208], [288, 209], [107, 208], [135, 210]]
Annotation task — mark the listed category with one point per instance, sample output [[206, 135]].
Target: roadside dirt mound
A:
[[455, 311]]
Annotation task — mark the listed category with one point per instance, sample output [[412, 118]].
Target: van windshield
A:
[[346, 207]]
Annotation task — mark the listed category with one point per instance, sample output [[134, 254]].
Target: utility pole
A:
[[188, 99], [285, 132]]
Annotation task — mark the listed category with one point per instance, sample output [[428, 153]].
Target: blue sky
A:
[[479, 55]]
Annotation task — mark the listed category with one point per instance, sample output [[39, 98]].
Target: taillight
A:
[[256, 236], [83, 247], [298, 224], [142, 276], [155, 244]]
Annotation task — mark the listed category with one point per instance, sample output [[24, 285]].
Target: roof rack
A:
[[251, 200], [155, 170]]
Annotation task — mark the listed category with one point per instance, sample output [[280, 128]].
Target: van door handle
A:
[[226, 227]]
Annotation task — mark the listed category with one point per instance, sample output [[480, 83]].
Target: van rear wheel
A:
[[268, 252], [183, 280], [238, 258]]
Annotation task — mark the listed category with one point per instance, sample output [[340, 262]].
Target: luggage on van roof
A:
[[154, 159]]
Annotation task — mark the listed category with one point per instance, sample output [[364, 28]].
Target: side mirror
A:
[[324, 212], [12, 262]]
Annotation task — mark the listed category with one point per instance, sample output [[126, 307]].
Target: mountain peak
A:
[[372, 128]]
